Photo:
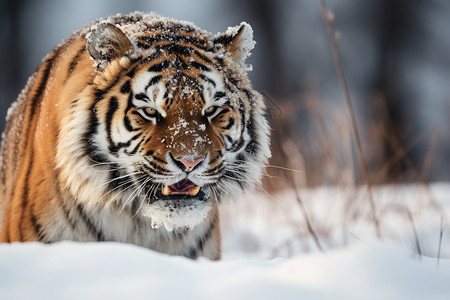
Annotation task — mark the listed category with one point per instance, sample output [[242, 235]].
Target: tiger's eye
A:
[[149, 111], [209, 110]]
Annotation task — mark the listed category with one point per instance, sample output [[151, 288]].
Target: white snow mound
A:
[[116, 271]]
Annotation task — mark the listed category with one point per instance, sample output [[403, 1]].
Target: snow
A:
[[258, 261], [246, 43], [183, 214], [112, 271]]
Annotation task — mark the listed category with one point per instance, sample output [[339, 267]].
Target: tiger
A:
[[134, 130]]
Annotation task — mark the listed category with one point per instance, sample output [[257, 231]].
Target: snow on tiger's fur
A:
[[133, 130]]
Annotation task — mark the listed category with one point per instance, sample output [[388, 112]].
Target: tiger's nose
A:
[[187, 164]]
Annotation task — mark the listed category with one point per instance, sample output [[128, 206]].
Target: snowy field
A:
[[269, 253]]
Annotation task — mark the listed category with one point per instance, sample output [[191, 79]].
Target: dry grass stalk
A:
[[441, 233], [288, 153], [328, 19]]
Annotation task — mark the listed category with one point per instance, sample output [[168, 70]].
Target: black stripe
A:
[[127, 144], [221, 140], [252, 147], [112, 108], [219, 95], [141, 96], [221, 113], [237, 145], [146, 41], [93, 230], [67, 214], [153, 81], [219, 155], [215, 170], [26, 193], [117, 180], [220, 61], [42, 85], [64, 207], [200, 243], [135, 148], [130, 106], [90, 148], [200, 66], [177, 49], [73, 64], [166, 93], [207, 79], [135, 137], [181, 64], [249, 95], [37, 96], [157, 169], [240, 159], [204, 58], [159, 159], [132, 72], [34, 221], [135, 206], [99, 94], [7, 232], [126, 87], [126, 120], [151, 58], [202, 97], [230, 124], [241, 103], [229, 139], [142, 45], [37, 228], [128, 125], [159, 67]]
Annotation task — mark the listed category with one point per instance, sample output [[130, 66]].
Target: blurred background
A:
[[395, 56]]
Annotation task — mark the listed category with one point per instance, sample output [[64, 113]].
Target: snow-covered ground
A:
[[268, 254]]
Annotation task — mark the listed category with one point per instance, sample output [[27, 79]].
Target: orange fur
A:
[[33, 147], [68, 135]]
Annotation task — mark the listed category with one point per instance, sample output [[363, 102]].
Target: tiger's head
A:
[[170, 124]]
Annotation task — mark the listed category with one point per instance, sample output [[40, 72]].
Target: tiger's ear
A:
[[107, 42], [236, 41]]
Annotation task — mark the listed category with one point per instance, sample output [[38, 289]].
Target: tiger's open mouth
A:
[[182, 191], [184, 187]]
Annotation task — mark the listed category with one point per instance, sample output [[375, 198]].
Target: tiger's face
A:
[[175, 123], [190, 124]]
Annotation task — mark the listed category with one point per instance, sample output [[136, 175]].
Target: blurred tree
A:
[[265, 16], [394, 20], [11, 78]]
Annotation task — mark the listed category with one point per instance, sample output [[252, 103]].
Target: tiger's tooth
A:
[[194, 190], [166, 190]]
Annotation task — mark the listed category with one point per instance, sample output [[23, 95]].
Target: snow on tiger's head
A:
[[173, 117]]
